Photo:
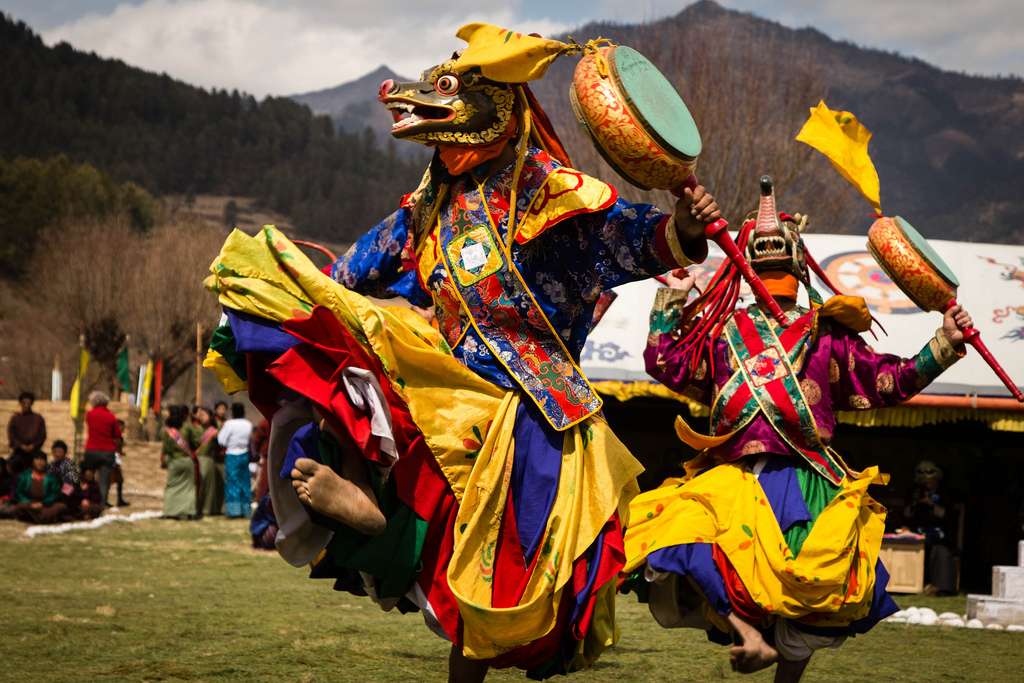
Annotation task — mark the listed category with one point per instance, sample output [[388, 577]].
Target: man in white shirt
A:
[[234, 437]]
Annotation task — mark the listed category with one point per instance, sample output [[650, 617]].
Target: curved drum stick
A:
[[973, 337]]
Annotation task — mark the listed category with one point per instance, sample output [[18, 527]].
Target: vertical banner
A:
[[141, 386], [76, 388], [158, 390], [147, 384], [56, 385], [124, 374], [199, 364]]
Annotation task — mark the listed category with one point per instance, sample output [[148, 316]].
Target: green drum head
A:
[[655, 102], [922, 247]]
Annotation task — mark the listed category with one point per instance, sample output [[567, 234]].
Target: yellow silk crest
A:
[[844, 140], [507, 56]]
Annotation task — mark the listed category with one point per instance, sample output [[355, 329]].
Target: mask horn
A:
[[767, 219]]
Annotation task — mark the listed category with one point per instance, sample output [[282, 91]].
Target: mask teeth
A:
[[766, 216]]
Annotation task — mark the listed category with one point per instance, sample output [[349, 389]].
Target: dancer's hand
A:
[[680, 279], [698, 205], [953, 322], [694, 210]]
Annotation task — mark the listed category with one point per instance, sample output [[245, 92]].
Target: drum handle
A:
[[717, 232], [973, 337]]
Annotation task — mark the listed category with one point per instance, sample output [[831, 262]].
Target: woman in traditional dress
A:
[[176, 456], [202, 434]]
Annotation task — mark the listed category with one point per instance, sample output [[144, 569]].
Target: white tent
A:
[[991, 288]]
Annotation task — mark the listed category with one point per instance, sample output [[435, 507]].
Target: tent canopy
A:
[[992, 290]]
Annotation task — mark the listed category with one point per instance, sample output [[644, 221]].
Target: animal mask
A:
[[449, 107], [775, 243]]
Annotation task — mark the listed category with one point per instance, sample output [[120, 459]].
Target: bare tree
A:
[[81, 276], [168, 295], [113, 285]]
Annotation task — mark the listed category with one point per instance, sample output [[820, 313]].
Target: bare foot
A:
[[319, 487], [754, 653]]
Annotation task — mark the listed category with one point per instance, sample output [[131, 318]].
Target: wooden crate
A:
[[904, 558]]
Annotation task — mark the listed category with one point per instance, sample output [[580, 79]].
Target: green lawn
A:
[[162, 600]]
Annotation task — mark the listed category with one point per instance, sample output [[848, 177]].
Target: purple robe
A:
[[839, 371]]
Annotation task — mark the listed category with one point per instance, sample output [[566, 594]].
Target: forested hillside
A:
[[170, 137]]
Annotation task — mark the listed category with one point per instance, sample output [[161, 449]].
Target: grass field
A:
[[161, 600]]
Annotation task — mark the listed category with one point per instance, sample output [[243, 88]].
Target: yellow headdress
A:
[[508, 56]]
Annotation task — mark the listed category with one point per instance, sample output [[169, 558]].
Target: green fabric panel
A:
[[124, 375], [223, 342], [817, 492], [393, 558]]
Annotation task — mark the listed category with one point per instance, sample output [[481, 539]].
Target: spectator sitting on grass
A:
[[89, 496], [7, 482], [65, 472], [37, 495]]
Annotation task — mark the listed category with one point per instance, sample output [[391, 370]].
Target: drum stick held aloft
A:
[[973, 337]]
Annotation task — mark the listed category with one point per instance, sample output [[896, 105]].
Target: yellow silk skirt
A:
[[727, 506], [267, 276]]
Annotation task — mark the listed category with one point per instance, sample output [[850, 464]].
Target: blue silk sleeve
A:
[[372, 266], [608, 248]]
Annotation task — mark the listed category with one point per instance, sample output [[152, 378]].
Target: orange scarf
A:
[[461, 158], [780, 283], [851, 311]]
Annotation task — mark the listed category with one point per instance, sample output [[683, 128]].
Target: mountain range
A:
[[949, 147]]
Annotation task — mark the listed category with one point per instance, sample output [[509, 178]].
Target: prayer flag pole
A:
[[199, 364]]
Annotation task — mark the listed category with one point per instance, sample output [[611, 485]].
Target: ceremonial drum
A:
[[643, 129], [636, 118], [910, 262]]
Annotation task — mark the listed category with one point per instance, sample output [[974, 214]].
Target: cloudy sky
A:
[[281, 47]]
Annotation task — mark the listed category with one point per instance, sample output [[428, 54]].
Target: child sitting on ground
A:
[[37, 496], [65, 472], [91, 503]]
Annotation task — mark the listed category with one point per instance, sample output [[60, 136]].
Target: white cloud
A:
[[981, 36], [280, 47], [283, 47]]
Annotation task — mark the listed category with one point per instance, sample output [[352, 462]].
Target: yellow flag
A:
[[76, 390], [147, 384], [841, 137], [507, 56]]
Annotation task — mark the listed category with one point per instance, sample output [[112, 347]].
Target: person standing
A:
[[258, 447], [117, 476], [202, 436], [178, 458], [26, 434], [234, 437], [103, 438], [220, 414]]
